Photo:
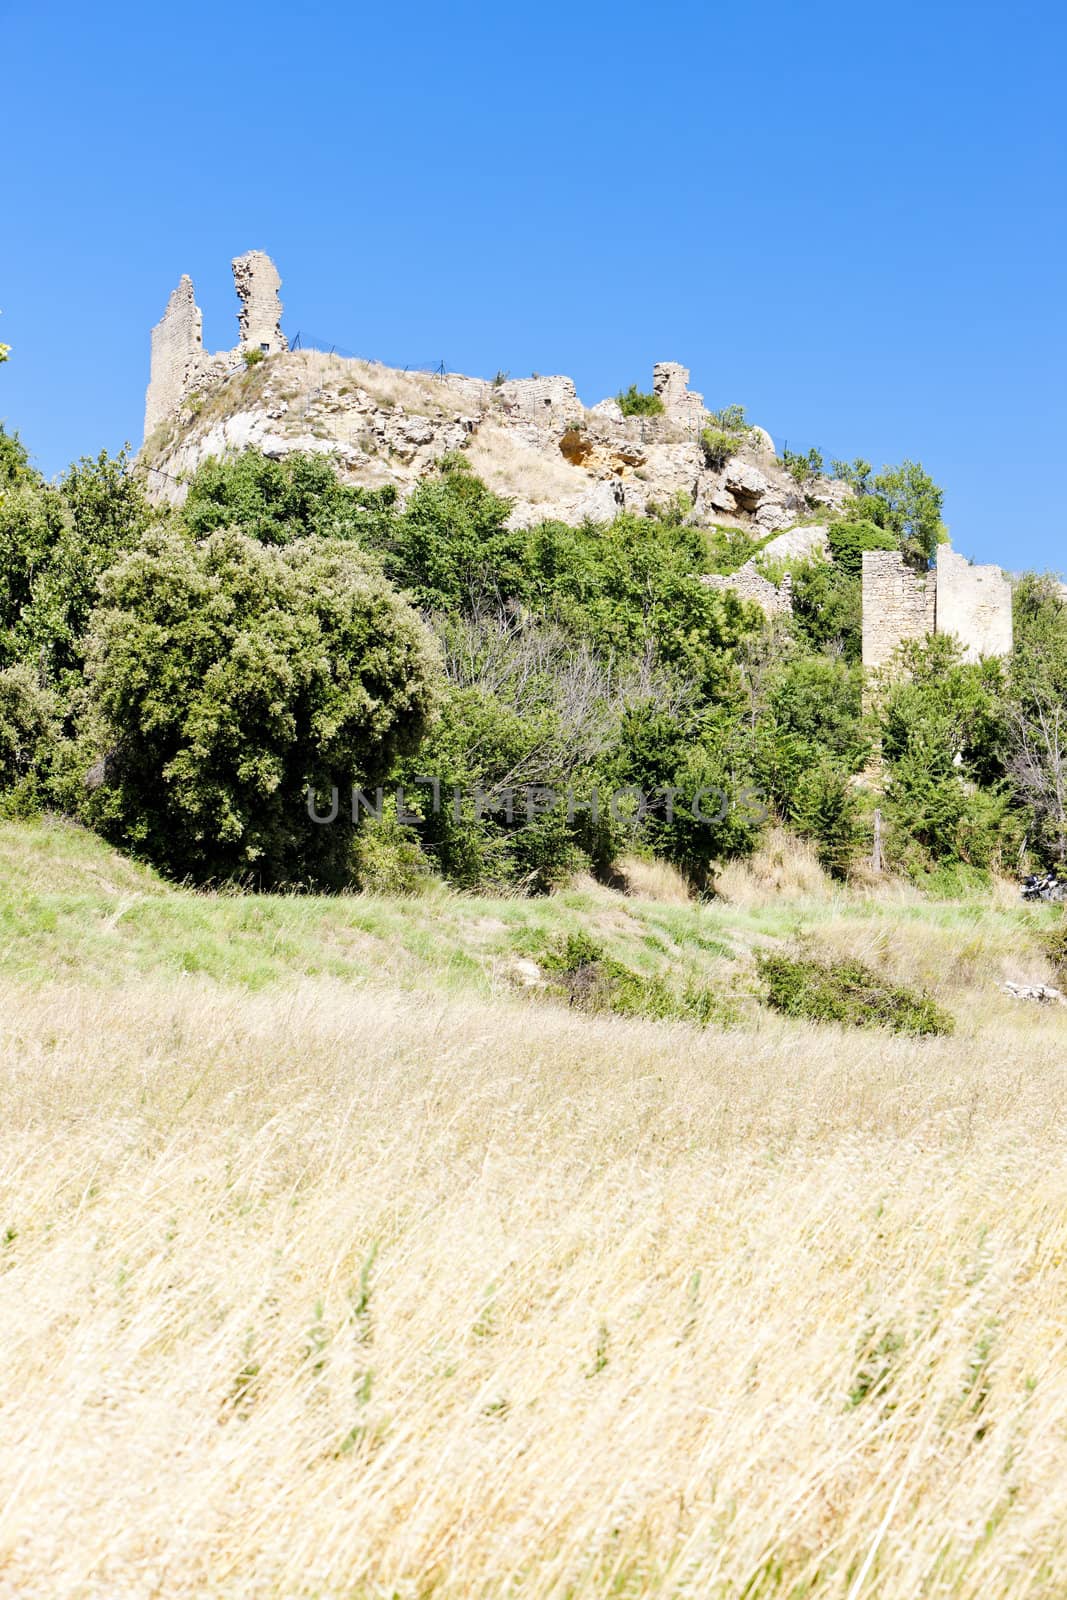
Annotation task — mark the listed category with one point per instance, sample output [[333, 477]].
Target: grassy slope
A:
[[70, 906], [330, 1266]]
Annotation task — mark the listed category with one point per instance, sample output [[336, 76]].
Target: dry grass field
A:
[[327, 1280]]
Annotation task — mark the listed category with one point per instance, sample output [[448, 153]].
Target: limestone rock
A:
[[746, 483], [798, 544]]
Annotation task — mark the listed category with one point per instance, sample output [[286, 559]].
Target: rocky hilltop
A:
[[534, 441], [531, 439]]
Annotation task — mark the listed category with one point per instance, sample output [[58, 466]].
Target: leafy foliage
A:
[[594, 981], [29, 730], [277, 502], [801, 985], [803, 467], [633, 403], [226, 678], [848, 541]]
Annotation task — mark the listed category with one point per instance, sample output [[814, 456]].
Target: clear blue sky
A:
[[848, 217]]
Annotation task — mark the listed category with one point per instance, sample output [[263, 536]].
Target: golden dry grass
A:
[[333, 1292]]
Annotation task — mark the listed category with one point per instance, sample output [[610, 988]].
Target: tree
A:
[[904, 500], [943, 738], [227, 677], [1036, 711], [279, 501], [452, 549], [55, 542], [913, 504]]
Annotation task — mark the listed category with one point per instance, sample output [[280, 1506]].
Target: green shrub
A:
[[225, 679], [278, 502], [594, 981], [802, 467], [252, 358], [718, 446], [800, 985], [29, 729], [387, 858], [632, 403], [452, 549], [848, 541], [1055, 945], [55, 542], [826, 809]]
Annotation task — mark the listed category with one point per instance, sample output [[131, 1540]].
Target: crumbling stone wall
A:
[[179, 362], [974, 605], [898, 605], [542, 400], [177, 354], [260, 317], [748, 584], [681, 405]]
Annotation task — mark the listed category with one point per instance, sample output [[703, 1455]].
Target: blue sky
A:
[[848, 218]]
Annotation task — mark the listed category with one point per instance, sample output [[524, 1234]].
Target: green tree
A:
[[29, 729], [943, 738], [279, 501], [452, 549], [633, 403], [1036, 712], [56, 540], [227, 677]]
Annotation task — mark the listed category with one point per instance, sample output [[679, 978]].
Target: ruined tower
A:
[[179, 360], [971, 603], [260, 317], [177, 352]]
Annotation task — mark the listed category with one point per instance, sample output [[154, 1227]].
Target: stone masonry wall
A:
[[681, 405], [748, 584], [177, 350], [898, 605], [260, 316], [973, 604]]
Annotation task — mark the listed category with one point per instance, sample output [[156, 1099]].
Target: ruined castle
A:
[[180, 364], [532, 440]]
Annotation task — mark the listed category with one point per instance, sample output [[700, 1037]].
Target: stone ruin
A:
[[972, 603], [180, 363], [581, 462]]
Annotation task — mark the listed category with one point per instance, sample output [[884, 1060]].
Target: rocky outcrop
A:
[[532, 439]]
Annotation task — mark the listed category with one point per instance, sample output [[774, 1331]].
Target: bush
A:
[[594, 981], [848, 992], [29, 728], [277, 502], [225, 679], [802, 467], [632, 403], [848, 541], [826, 808], [828, 609], [718, 446], [452, 549], [1055, 945], [387, 858], [55, 542]]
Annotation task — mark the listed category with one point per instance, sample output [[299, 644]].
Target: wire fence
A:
[[303, 339]]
